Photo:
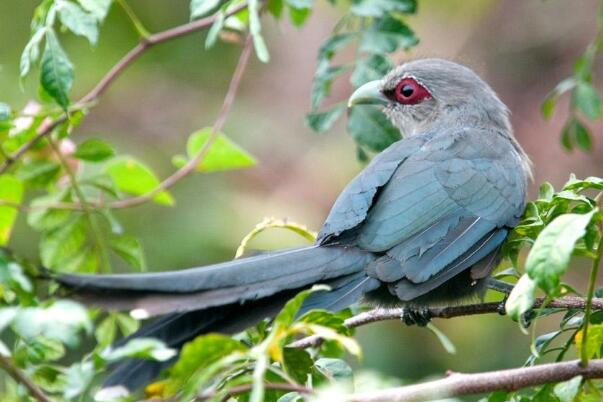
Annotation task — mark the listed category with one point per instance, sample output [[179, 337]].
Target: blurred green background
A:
[[521, 47]]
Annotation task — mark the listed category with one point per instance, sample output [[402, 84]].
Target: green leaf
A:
[[334, 369], [546, 191], [587, 100], [98, 8], [255, 28], [549, 257], [299, 16], [379, 8], [63, 243], [5, 112], [202, 352], [522, 298], [134, 177], [57, 71], [371, 128], [39, 173], [323, 121], [371, 68], [130, 249], [62, 321], [214, 31], [31, 52], [275, 7], [47, 219], [78, 378], [286, 316], [223, 154], [568, 390], [106, 331], [127, 324], [201, 8], [300, 4], [323, 79], [94, 150], [386, 36], [77, 20], [140, 348], [444, 340], [11, 190], [290, 397], [298, 364], [334, 44], [550, 101]]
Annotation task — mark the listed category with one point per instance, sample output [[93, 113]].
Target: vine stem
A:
[[143, 45], [20, 377], [380, 314], [457, 384], [138, 25], [589, 302]]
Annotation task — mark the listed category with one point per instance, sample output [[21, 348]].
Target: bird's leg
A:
[[416, 316], [502, 287]]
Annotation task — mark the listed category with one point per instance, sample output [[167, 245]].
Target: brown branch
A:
[[115, 72], [458, 384], [20, 377], [248, 387], [192, 164], [380, 314]]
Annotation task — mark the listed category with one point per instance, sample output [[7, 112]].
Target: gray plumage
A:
[[422, 222]]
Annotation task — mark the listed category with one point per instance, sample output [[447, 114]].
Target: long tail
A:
[[226, 298]]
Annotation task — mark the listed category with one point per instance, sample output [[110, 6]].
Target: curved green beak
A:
[[368, 94]]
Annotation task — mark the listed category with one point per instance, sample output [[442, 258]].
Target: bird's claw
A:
[[501, 308], [416, 316]]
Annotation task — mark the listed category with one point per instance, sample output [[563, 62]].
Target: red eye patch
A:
[[409, 92]]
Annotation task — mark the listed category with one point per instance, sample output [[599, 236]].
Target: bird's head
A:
[[429, 93]]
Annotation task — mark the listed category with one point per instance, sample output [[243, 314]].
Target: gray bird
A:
[[421, 224]]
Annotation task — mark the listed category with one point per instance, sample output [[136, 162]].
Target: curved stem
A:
[[589, 302]]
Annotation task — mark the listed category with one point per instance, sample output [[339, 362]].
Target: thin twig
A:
[[459, 384], [144, 44], [247, 387], [380, 314], [20, 377]]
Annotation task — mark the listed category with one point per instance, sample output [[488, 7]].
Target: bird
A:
[[421, 224]]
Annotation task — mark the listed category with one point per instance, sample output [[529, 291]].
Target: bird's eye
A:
[[410, 92]]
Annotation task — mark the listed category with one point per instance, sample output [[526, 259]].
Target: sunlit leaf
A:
[[522, 297], [378, 8], [334, 369], [31, 52], [566, 391], [94, 150], [140, 348], [551, 253], [223, 153], [77, 20], [587, 100], [63, 243], [11, 191], [200, 8], [134, 177], [129, 249], [98, 8]]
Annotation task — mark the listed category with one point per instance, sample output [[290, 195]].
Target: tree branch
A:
[[458, 384], [144, 44], [380, 314], [20, 377], [247, 387]]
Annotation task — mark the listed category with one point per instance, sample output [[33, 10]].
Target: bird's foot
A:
[[416, 316], [501, 308]]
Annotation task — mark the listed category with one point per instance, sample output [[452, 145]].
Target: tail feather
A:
[[225, 298], [177, 329], [239, 281]]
